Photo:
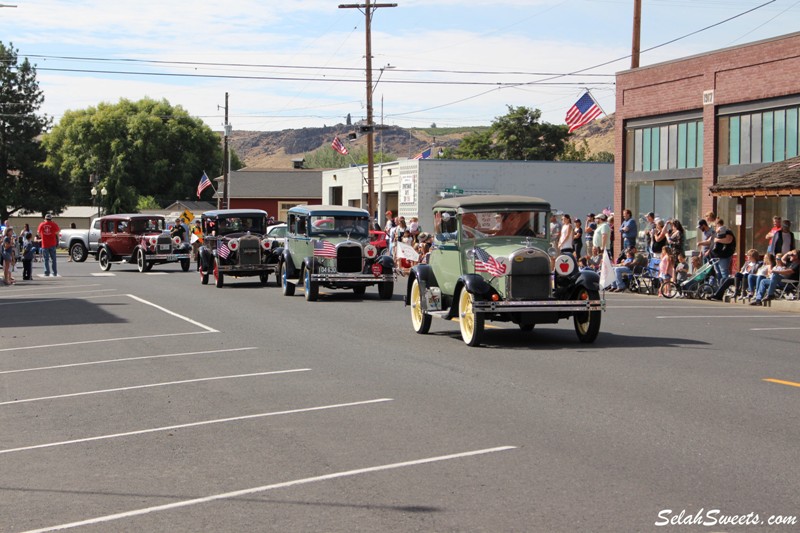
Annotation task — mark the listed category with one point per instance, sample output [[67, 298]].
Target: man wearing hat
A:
[[602, 235], [48, 231]]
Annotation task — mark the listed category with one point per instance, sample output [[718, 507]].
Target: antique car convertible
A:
[[235, 244], [491, 261], [141, 240], [328, 246]]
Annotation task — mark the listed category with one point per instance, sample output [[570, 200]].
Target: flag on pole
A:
[[582, 112], [484, 262], [203, 185], [338, 146], [222, 249], [324, 249], [606, 271], [423, 155]]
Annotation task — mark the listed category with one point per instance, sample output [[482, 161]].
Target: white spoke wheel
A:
[[420, 321], [587, 324], [141, 262], [104, 260], [286, 287], [470, 321], [310, 287]]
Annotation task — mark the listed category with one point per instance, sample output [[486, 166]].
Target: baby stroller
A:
[[701, 284]]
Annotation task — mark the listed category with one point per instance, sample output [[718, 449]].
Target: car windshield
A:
[[527, 223], [226, 226], [147, 226], [339, 225]]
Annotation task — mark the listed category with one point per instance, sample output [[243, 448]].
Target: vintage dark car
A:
[[235, 244], [328, 246], [141, 240], [491, 260]]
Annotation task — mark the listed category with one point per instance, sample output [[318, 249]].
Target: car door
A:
[[445, 258]]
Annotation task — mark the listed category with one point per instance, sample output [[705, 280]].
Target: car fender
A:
[[588, 280], [288, 265], [424, 273], [103, 246], [477, 285], [310, 263], [387, 262]]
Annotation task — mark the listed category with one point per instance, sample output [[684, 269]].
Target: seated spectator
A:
[[788, 267], [764, 271], [623, 270], [740, 279]]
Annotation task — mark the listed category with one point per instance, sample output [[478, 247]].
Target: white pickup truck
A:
[[81, 242]]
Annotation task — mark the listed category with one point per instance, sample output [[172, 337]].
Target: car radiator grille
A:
[[348, 259], [164, 240], [529, 278], [249, 251]]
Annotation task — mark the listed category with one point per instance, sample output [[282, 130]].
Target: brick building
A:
[[686, 126]]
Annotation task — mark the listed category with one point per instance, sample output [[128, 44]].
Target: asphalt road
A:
[[147, 402]]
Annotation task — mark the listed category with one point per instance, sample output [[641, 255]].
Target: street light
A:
[[103, 192]]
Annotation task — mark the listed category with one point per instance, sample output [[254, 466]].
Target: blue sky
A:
[[300, 63]]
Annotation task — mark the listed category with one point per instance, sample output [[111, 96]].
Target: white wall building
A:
[[410, 187]]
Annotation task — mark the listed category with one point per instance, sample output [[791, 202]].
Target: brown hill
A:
[[277, 149]]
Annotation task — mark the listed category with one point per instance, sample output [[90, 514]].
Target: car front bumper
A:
[[167, 257], [538, 306], [352, 278], [248, 268]]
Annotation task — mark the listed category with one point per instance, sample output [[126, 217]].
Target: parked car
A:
[[80, 243], [141, 240], [328, 246], [491, 260], [235, 244], [277, 232], [378, 239]]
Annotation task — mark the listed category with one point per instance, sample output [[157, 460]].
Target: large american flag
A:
[[222, 250], [203, 185], [338, 146], [425, 154], [324, 249], [582, 112], [484, 262]]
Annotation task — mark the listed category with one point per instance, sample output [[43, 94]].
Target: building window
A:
[[758, 137], [665, 147]]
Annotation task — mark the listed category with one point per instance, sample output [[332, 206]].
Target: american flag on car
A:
[[484, 262], [222, 250], [324, 249]]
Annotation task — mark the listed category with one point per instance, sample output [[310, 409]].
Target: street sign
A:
[[187, 216]]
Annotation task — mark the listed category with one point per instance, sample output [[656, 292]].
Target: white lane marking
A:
[[151, 385], [116, 339], [155, 273], [264, 488], [769, 329], [103, 274], [16, 302], [730, 316], [172, 313], [194, 424], [125, 359]]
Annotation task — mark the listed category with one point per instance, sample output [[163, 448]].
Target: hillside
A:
[[277, 149]]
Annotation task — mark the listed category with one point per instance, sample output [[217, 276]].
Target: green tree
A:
[[325, 157], [579, 151], [518, 135], [147, 203], [28, 185], [144, 148]]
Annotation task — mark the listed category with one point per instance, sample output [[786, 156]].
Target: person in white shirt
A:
[[565, 238]]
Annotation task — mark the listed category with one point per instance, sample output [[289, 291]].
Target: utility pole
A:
[[368, 9], [225, 165], [637, 32]]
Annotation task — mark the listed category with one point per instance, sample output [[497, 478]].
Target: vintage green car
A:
[[491, 260], [328, 246]]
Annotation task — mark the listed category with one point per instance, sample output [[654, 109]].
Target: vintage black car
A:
[[328, 246], [234, 244], [141, 240], [491, 260]]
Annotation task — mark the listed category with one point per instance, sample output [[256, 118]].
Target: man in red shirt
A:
[[48, 231]]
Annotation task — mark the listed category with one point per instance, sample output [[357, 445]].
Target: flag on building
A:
[[324, 249], [582, 112], [203, 185], [423, 155], [222, 250], [484, 262], [338, 146]]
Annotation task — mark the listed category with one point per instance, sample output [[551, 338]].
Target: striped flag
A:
[[423, 155], [338, 146], [583, 112], [203, 185], [484, 262], [324, 249], [222, 250]]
